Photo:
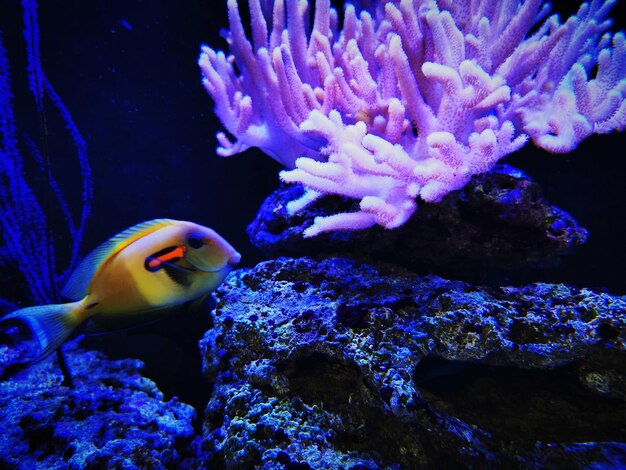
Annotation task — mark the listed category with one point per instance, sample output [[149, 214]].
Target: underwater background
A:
[[127, 71], [150, 131]]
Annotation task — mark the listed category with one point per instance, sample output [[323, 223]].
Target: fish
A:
[[133, 278]]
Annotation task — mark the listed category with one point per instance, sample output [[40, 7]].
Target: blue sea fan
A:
[[27, 226]]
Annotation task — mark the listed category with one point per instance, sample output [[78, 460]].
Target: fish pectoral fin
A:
[[180, 275]]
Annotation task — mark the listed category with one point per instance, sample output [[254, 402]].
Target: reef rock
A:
[[112, 417], [498, 220], [336, 364]]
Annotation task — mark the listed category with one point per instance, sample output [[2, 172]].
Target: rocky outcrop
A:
[[111, 417], [499, 220], [338, 364]]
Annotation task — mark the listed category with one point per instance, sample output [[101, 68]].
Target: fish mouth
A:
[[234, 259]]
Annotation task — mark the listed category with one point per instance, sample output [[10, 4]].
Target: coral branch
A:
[[411, 98]]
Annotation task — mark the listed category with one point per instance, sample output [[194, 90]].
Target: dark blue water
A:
[[127, 71]]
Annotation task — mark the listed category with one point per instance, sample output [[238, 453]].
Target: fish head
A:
[[206, 250]]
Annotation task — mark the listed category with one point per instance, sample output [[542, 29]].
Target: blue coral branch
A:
[[77, 231], [26, 230], [31, 34], [20, 215]]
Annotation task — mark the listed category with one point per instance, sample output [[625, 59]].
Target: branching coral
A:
[[411, 98]]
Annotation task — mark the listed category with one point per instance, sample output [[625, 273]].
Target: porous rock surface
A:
[[498, 220], [112, 417], [337, 364]]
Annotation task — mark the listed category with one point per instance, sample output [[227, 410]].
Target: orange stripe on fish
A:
[[171, 254], [77, 286]]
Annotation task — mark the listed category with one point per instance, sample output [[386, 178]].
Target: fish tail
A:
[[50, 325]]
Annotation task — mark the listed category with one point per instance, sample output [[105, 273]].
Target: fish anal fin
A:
[[103, 323], [199, 302]]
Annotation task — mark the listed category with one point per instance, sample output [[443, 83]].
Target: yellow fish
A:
[[134, 277]]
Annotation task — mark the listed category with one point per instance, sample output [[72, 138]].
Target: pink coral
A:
[[413, 97]]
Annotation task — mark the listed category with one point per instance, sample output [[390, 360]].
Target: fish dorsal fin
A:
[[77, 284]]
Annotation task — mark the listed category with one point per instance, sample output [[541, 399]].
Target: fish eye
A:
[[195, 241]]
